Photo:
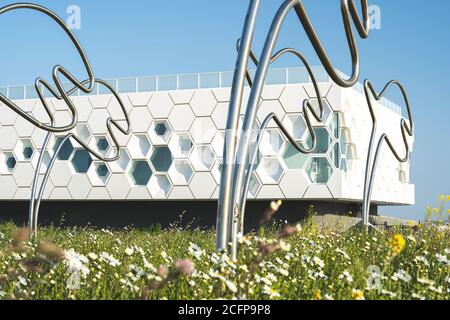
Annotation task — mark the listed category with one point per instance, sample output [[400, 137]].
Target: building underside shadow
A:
[[147, 214]]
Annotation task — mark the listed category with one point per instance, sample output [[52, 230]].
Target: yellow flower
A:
[[442, 197], [318, 295], [357, 295], [397, 244], [448, 198], [436, 210]]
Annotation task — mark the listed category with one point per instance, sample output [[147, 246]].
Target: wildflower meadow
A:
[[278, 261]]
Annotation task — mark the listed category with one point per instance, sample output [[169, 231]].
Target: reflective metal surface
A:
[[237, 168], [86, 86], [407, 129]]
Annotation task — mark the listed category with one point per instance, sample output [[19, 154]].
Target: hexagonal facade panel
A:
[[181, 117], [203, 130], [203, 103], [177, 139]]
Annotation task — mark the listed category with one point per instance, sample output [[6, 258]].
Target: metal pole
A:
[[225, 197]]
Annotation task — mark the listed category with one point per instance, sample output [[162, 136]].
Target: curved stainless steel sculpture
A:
[[236, 171], [407, 128], [86, 86]]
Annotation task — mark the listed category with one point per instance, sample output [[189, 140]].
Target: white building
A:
[[176, 145]]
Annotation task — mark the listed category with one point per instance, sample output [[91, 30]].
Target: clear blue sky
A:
[[142, 37]]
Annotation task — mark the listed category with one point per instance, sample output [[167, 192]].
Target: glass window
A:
[[209, 80], [81, 161], [102, 171], [298, 75], [147, 84], [319, 170], [66, 150], [189, 81], [27, 152], [141, 173], [11, 162], [276, 76], [293, 158], [103, 144], [127, 85], [162, 159], [323, 141], [167, 83]]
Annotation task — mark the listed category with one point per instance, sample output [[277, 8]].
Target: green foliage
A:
[[309, 264]]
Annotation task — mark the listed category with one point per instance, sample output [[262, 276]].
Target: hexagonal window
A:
[[160, 186], [81, 161], [181, 145], [8, 163], [83, 132], [181, 172], [296, 125], [335, 155], [122, 163], [103, 144], [293, 158], [139, 146], [270, 171], [46, 160], [160, 132], [327, 111], [24, 150], [216, 171], [202, 158], [218, 143], [160, 129], [102, 172], [28, 152], [272, 142], [161, 159], [254, 186], [335, 126], [319, 170], [66, 150], [141, 173], [324, 140]]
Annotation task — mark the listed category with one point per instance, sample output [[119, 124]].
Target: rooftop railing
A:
[[193, 81]]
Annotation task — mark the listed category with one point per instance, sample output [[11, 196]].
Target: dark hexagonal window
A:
[[162, 159], [160, 129], [323, 140], [319, 170], [28, 152], [81, 161], [102, 171], [66, 150], [103, 144], [141, 173], [11, 162]]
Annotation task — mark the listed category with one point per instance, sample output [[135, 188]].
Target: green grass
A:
[[311, 264]]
